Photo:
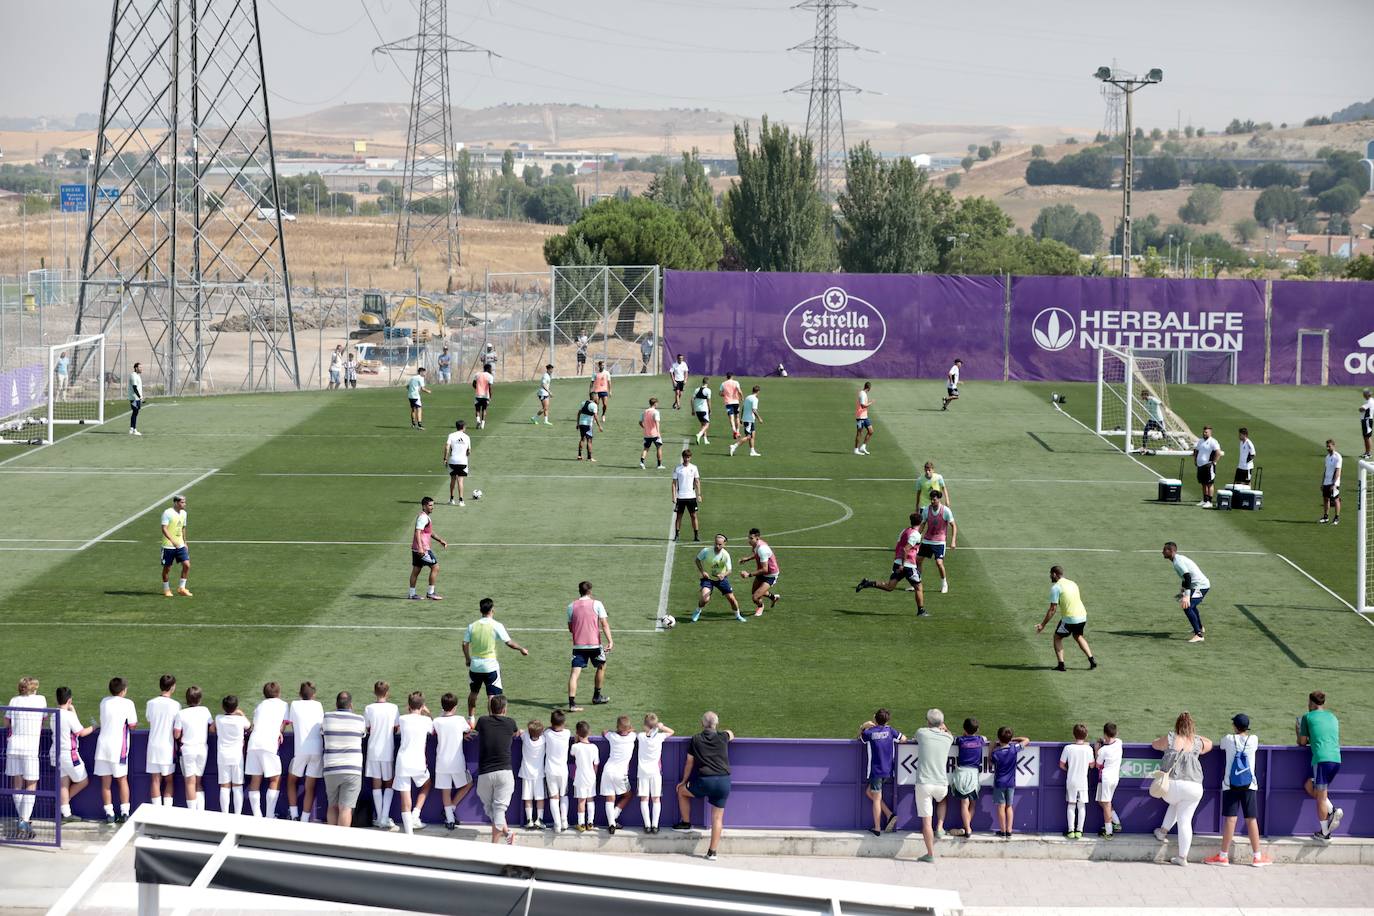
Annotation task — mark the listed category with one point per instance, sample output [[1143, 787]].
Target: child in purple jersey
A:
[[1004, 758], [880, 743], [968, 766]]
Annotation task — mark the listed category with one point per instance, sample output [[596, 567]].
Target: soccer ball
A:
[[667, 621], [476, 494]]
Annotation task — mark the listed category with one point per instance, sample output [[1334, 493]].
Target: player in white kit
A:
[[615, 773], [66, 753], [411, 769], [229, 730], [192, 729], [532, 791], [649, 778], [264, 744], [117, 716], [306, 718], [381, 718], [557, 739], [161, 713], [585, 757], [450, 766], [21, 757]]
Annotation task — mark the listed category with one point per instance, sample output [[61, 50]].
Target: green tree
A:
[[1161, 173], [638, 231], [1156, 134], [984, 153], [1152, 265], [997, 147], [1343, 199], [1203, 205], [1063, 223], [1038, 151], [776, 215], [1361, 268], [508, 164], [1217, 172], [35, 203], [1278, 203], [966, 163], [1018, 254], [555, 203], [965, 222], [952, 180], [888, 213], [532, 175], [686, 188], [1274, 174], [1247, 230], [465, 177]]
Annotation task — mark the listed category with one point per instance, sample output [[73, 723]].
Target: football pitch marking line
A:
[[83, 429], [142, 512], [1319, 585], [1151, 471], [299, 626], [665, 584], [848, 509]]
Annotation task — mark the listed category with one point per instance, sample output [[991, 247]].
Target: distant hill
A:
[[1359, 111]]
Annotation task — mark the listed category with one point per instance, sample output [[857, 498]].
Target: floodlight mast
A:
[[1129, 85]]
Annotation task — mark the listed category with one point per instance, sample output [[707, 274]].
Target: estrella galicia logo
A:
[[834, 329], [1053, 329]]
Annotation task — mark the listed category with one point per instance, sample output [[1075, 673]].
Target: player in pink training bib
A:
[[938, 531], [421, 556], [765, 573], [482, 383], [650, 423]]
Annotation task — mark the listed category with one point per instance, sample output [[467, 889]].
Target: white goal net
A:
[[49, 386], [1133, 404], [1364, 562]]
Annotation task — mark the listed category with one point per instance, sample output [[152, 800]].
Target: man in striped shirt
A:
[[343, 759]]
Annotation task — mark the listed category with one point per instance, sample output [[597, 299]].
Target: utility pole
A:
[[1129, 85], [431, 155], [825, 109]]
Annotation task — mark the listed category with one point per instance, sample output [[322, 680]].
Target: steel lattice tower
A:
[[184, 223], [825, 110], [429, 194]]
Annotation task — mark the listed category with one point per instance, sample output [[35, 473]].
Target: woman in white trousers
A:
[[1183, 747]]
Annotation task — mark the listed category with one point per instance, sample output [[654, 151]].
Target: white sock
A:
[[612, 815], [109, 810], [166, 586], [386, 803], [379, 812], [271, 806], [124, 809], [430, 591], [181, 583], [529, 811], [1108, 827], [293, 812], [1116, 821], [24, 806], [644, 812], [657, 809], [449, 816], [406, 825], [224, 800], [305, 817], [1082, 815], [155, 800], [168, 801], [1073, 814], [255, 801], [66, 810], [563, 811], [412, 592], [238, 799]]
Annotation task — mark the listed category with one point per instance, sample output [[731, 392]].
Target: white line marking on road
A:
[[1315, 581], [142, 512], [295, 626]]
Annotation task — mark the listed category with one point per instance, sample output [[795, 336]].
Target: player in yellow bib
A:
[[174, 546], [1073, 616], [927, 483]]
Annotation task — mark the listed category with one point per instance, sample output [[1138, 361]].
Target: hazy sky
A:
[[978, 61]]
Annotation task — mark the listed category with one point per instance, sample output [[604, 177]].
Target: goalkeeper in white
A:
[[1195, 588]]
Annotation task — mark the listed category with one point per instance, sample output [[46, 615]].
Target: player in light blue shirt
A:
[[1195, 588], [750, 418], [413, 389]]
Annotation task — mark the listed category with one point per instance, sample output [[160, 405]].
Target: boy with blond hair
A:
[[381, 718], [21, 761], [615, 775], [411, 769], [649, 779]]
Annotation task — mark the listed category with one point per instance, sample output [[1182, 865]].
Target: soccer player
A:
[[649, 778], [713, 565], [421, 554], [66, 752], [1331, 484], [863, 426], [479, 653], [532, 791], [1205, 455], [679, 373], [586, 621], [411, 769], [1366, 419], [1073, 617], [457, 448], [905, 565], [161, 712], [544, 394], [615, 773], [336, 367], [381, 718], [649, 422], [686, 494], [765, 573], [21, 756], [701, 406], [587, 416], [585, 757], [880, 741], [264, 743], [952, 384], [450, 765], [731, 394], [306, 717], [192, 729], [117, 717], [135, 398], [749, 420], [938, 531], [1195, 588], [481, 389], [601, 387], [414, 387], [445, 364], [1245, 458], [174, 548], [229, 730], [1154, 418], [557, 737], [928, 483]]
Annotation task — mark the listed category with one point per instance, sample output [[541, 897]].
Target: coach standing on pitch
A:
[[585, 616], [1205, 455]]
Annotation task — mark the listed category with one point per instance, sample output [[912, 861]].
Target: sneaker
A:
[[870, 829], [683, 825], [863, 584], [72, 819], [1197, 637], [1202, 503], [1178, 860], [1335, 521], [754, 454], [166, 593], [1104, 834], [927, 858], [1220, 858], [136, 432], [696, 616], [1068, 835], [1322, 521], [600, 701], [534, 419], [735, 445], [891, 824], [710, 855], [1335, 820], [452, 503], [434, 597], [110, 820], [420, 426], [922, 612], [610, 828], [412, 597], [758, 612], [641, 466], [1092, 663], [1060, 667], [546, 422], [1322, 836], [1259, 860], [450, 825], [944, 586], [705, 441], [1161, 835], [461, 504], [185, 593], [857, 452], [121, 818]]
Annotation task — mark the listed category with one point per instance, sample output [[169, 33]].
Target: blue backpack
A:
[[1242, 775]]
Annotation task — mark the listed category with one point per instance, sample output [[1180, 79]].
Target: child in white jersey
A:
[[649, 779], [66, 753], [117, 716], [229, 730], [450, 767], [411, 769], [192, 729], [21, 751], [585, 757], [532, 748], [556, 739], [615, 775], [306, 716], [1076, 759], [1107, 759], [381, 718], [161, 713]]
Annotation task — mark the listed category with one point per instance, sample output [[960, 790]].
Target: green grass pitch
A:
[[302, 503]]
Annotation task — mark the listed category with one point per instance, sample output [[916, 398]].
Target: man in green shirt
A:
[[1321, 731], [932, 778]]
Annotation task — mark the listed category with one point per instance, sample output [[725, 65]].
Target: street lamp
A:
[[1129, 85]]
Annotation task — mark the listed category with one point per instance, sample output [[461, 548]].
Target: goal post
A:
[[1364, 568], [1133, 400], [52, 385]]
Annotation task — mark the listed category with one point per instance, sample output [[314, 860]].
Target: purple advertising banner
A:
[[856, 325], [21, 389], [1058, 322], [1333, 321]]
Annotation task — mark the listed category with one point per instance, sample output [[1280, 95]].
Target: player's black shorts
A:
[[1242, 476], [652, 441], [1367, 429], [680, 386], [1331, 491], [427, 558], [1070, 629], [414, 402], [457, 470], [583, 657], [1206, 474], [687, 505], [903, 573], [703, 416], [481, 403]]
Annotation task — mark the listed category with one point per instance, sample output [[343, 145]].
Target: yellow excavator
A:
[[379, 315]]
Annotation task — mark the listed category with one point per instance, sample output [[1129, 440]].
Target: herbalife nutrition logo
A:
[[1053, 329], [834, 329]]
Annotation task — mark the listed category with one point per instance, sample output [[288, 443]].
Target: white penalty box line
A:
[[145, 510]]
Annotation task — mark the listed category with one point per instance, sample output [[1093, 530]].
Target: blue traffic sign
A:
[[106, 193], [73, 198]]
